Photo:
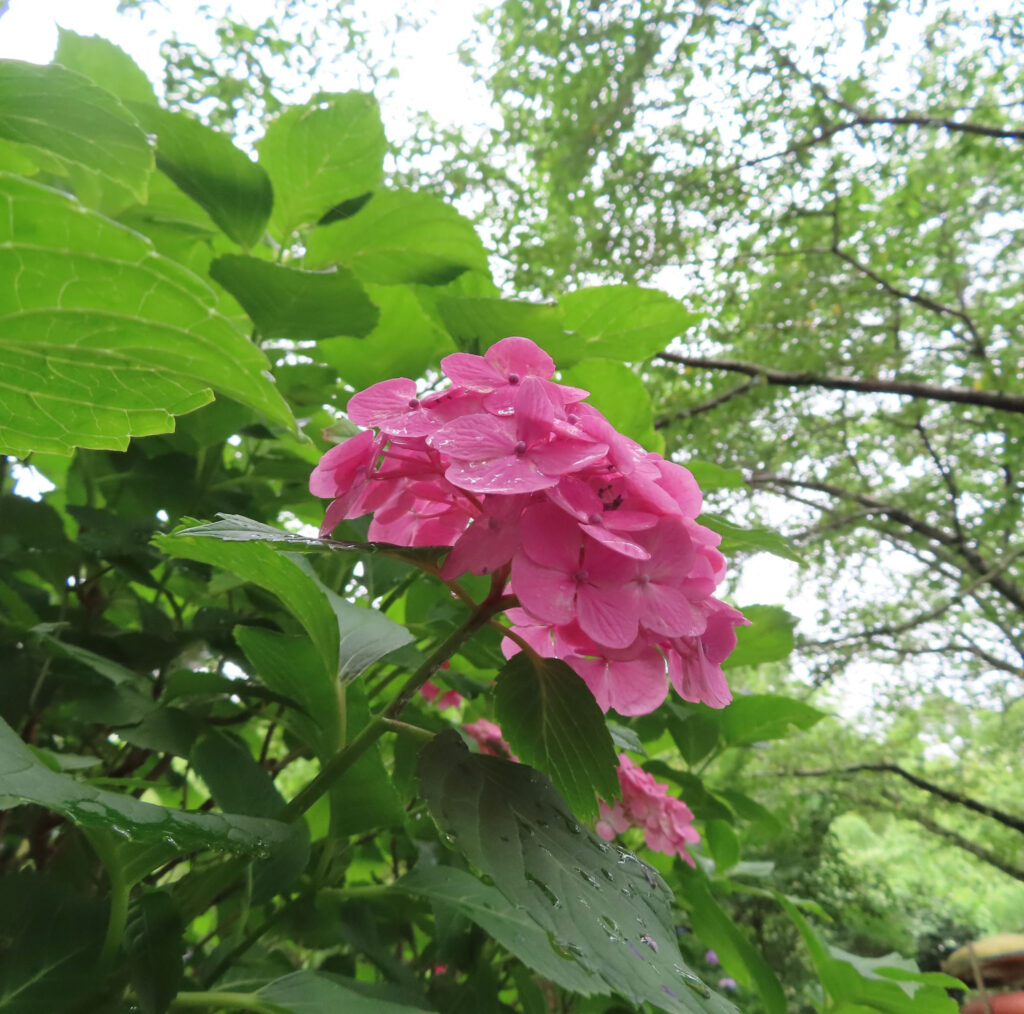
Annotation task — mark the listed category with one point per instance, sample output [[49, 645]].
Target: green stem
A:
[[405, 729], [225, 1001], [378, 725], [120, 891]]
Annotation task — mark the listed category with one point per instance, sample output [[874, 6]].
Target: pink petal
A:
[[546, 593], [616, 542], [521, 357], [666, 610], [602, 617], [475, 438], [552, 538], [565, 454], [534, 412], [471, 371], [512, 474]]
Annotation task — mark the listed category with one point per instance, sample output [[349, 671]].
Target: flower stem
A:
[[224, 1001]]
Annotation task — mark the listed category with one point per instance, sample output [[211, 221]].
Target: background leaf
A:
[[154, 948]]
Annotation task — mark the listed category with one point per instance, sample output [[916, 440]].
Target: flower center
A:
[[594, 519], [414, 403], [520, 447], [580, 576], [513, 378], [643, 580]]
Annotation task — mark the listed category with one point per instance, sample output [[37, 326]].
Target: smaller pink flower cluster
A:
[[667, 822], [597, 537]]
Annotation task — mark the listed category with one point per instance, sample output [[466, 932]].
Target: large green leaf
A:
[[154, 946], [104, 64], [750, 540], [321, 993], [400, 236], [623, 322], [285, 302], [740, 958], [604, 909], [85, 127], [319, 155], [768, 638], [752, 718], [347, 637], [101, 338], [26, 778], [476, 323], [551, 720], [884, 984], [233, 190], [405, 342], [512, 927]]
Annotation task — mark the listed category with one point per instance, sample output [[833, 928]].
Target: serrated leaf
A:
[[25, 777], [752, 718], [154, 946], [750, 540], [406, 341], [768, 638], [232, 189], [101, 338], [551, 720], [285, 302], [604, 909], [104, 64], [623, 322], [87, 128], [400, 237], [513, 928], [319, 155], [321, 993]]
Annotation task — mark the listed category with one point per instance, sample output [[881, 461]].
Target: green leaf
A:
[[603, 908], [723, 843], [319, 155], [320, 993], [476, 323], [752, 718], [851, 980], [233, 190], [769, 638], [694, 730], [623, 322], [154, 945], [101, 338], [291, 666], [512, 927], [716, 930], [104, 64], [736, 539], [551, 720], [620, 395], [400, 237], [87, 128], [26, 778], [405, 342], [284, 302], [711, 476]]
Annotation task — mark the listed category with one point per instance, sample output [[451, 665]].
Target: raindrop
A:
[[545, 890], [593, 881], [646, 938], [608, 875], [449, 838], [610, 924], [691, 980]]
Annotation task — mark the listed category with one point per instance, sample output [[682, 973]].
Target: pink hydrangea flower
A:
[[488, 737], [595, 537], [431, 692], [667, 822]]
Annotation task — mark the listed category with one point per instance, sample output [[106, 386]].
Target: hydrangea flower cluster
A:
[[667, 822], [597, 537]]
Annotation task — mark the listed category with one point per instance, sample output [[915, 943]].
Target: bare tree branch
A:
[[999, 400], [705, 406]]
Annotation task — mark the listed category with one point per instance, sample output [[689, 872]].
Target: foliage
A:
[[221, 788]]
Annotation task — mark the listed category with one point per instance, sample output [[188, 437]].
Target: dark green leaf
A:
[[752, 718], [623, 322], [319, 993], [233, 190], [400, 236], [694, 729], [154, 947], [284, 302], [753, 540], [105, 65], [625, 738], [716, 930], [723, 843], [551, 720], [512, 927], [319, 155], [104, 339], [26, 778], [87, 128], [604, 909], [769, 638]]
